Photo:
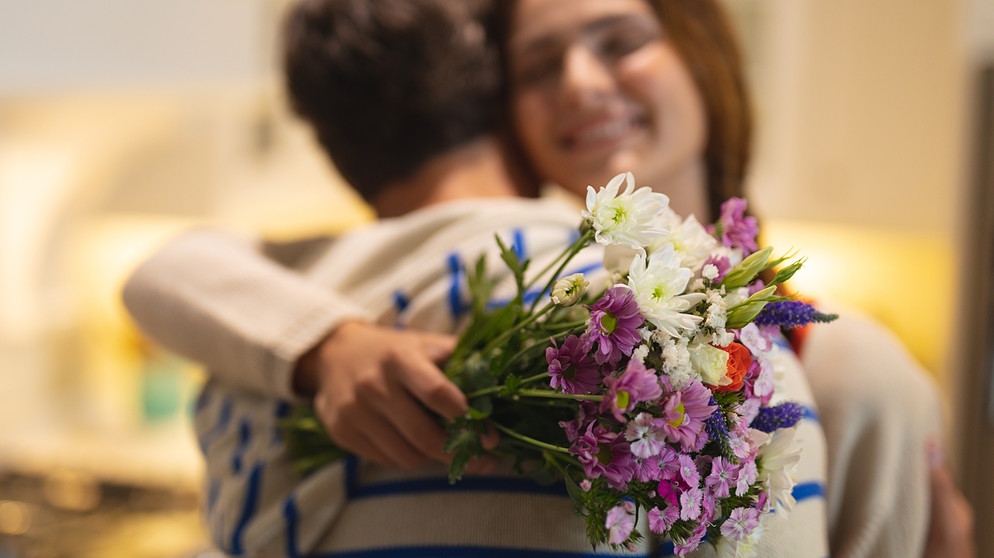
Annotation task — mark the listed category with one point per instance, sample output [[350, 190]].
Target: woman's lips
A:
[[602, 133]]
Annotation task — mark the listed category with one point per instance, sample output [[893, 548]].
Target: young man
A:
[[404, 97]]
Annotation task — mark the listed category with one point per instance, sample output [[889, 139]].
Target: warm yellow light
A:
[[904, 279]]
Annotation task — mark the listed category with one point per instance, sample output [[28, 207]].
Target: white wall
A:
[[51, 45]]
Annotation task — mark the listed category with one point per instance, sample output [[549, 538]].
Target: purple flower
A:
[[571, 367], [790, 314], [645, 436], [690, 504], [740, 523], [723, 474], [737, 230], [746, 476], [661, 520], [688, 471], [605, 453], [684, 415], [587, 413], [781, 415], [693, 541], [620, 522], [614, 323], [647, 469], [635, 385]]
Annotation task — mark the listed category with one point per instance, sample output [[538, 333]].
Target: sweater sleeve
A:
[[221, 300], [878, 408]]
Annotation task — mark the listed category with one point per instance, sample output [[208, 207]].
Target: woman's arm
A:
[[224, 300], [235, 305]]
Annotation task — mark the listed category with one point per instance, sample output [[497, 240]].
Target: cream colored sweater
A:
[[213, 299]]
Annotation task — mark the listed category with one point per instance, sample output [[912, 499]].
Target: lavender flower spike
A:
[[782, 415], [790, 314]]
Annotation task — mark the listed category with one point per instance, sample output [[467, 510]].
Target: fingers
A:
[[365, 429], [951, 524], [427, 383]]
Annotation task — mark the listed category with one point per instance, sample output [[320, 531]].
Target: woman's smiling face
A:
[[597, 90]]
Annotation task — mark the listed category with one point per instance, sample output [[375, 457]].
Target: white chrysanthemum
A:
[[691, 241], [633, 218], [659, 284], [711, 363], [777, 461]]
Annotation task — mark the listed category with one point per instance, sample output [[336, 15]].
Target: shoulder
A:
[[856, 354]]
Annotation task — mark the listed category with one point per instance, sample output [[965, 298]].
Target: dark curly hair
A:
[[388, 84]]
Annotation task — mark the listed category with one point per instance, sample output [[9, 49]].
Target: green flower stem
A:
[[557, 395], [495, 389], [529, 440], [500, 339], [568, 255]]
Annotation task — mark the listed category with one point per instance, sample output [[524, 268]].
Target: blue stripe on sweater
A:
[[281, 413], [461, 552], [290, 516], [224, 417], [810, 414], [248, 509], [801, 491], [518, 244], [244, 438], [467, 484], [806, 490], [455, 289]]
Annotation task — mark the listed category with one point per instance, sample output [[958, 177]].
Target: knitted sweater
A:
[[402, 272]]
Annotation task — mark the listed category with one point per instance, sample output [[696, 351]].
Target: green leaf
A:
[[463, 444], [511, 384], [480, 407], [516, 266]]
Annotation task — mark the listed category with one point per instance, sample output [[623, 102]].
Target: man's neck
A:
[[476, 170]]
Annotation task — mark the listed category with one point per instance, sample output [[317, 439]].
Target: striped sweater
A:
[[403, 272]]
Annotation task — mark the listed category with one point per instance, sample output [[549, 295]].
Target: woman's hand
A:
[[373, 387], [950, 533]]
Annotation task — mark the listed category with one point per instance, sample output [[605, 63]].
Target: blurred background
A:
[[124, 122]]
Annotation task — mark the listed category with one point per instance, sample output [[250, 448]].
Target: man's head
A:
[[389, 84]]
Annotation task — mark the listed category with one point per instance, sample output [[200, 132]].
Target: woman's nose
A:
[[586, 78]]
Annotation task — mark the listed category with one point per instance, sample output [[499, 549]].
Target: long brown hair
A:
[[702, 34]]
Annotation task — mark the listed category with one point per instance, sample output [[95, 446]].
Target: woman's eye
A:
[[537, 69], [621, 42]]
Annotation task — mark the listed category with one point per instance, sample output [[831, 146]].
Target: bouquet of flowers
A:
[[651, 394]]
